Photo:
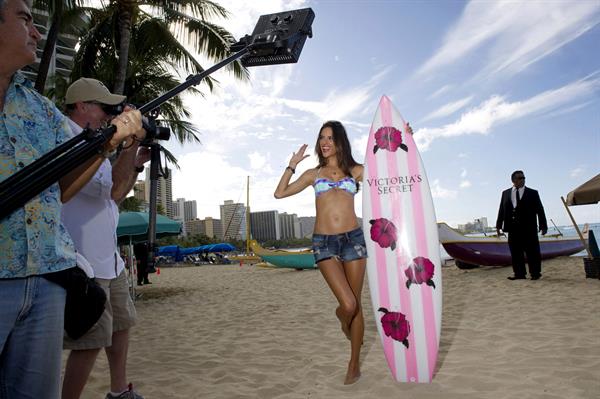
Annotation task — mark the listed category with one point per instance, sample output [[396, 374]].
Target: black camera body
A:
[[153, 129]]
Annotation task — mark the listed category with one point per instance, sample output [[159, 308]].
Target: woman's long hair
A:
[[342, 147]]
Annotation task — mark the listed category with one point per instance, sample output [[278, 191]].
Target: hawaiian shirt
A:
[[33, 240]]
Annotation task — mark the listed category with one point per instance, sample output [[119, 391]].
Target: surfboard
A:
[[403, 268]]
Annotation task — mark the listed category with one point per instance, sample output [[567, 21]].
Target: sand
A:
[[248, 332]]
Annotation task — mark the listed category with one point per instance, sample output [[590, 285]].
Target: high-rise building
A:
[[189, 210], [209, 227], [178, 214], [194, 227], [61, 62], [233, 218], [213, 228], [139, 190], [289, 226], [164, 192], [178, 209], [184, 211], [265, 225]]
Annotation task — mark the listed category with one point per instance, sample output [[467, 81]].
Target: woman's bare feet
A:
[[352, 375], [344, 321]]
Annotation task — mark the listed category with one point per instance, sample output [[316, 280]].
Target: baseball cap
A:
[[86, 89]]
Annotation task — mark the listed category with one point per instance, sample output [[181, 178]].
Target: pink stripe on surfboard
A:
[[382, 278], [423, 250], [405, 300]]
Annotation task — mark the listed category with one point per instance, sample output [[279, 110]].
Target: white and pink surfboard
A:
[[404, 268]]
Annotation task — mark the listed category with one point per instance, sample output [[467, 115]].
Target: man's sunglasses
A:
[[108, 109]]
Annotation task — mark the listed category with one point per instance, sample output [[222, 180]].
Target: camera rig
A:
[[277, 38]]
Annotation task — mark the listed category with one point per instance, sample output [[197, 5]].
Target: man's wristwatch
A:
[[139, 169]]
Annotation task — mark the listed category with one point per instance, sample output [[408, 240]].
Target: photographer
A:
[[32, 240], [91, 218]]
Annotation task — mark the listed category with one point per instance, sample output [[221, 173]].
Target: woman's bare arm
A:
[[357, 172], [284, 188]]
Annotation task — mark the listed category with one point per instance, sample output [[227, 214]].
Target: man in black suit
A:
[[520, 210]]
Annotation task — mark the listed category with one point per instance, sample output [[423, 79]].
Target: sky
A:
[[489, 87]]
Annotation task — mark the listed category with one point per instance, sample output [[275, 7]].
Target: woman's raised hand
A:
[[298, 156]]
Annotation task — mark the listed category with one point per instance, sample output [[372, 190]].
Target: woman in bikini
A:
[[338, 240]]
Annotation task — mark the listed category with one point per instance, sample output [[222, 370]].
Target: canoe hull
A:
[[494, 251], [285, 259]]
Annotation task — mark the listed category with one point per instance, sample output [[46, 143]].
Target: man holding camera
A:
[[33, 242], [91, 219]]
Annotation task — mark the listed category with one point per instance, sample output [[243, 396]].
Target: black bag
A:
[[85, 300]]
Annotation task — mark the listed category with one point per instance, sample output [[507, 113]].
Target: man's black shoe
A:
[[536, 277], [516, 277]]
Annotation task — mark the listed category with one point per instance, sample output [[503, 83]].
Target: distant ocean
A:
[[567, 231]]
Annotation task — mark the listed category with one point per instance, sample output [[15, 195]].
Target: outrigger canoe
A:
[[287, 259], [494, 251]]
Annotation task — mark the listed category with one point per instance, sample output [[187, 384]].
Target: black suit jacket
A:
[[526, 215]]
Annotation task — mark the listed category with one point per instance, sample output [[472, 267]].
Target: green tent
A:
[[133, 227]]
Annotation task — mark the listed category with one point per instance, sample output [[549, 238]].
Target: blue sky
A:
[[489, 87]]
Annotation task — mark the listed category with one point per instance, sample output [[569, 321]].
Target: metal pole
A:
[[577, 228], [248, 216], [154, 165]]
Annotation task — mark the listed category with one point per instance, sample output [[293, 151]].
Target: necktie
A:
[[518, 197]]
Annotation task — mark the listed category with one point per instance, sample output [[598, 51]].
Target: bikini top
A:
[[322, 185]]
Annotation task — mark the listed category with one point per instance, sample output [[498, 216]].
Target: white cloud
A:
[[358, 145], [579, 171], [496, 109], [463, 173], [437, 191], [465, 184], [440, 91], [259, 162], [340, 104], [516, 34], [448, 109]]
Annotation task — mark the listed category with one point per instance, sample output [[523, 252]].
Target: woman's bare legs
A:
[[346, 281]]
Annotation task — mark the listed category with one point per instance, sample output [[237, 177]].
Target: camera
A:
[[153, 129]]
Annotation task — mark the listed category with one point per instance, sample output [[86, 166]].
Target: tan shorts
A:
[[119, 314]]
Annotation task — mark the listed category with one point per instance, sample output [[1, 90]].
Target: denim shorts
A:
[[345, 246]]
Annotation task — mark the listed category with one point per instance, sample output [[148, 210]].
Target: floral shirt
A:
[[33, 240]]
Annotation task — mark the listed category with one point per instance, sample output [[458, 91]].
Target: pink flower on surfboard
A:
[[420, 271], [395, 326], [383, 232], [388, 138]]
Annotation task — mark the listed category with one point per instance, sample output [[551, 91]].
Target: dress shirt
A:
[[91, 217], [513, 195]]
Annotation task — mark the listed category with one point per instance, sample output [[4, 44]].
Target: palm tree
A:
[[153, 53], [186, 21], [130, 204], [62, 14]]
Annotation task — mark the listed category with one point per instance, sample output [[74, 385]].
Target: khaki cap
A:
[[86, 89]]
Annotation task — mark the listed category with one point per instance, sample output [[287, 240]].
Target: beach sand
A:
[[252, 332]]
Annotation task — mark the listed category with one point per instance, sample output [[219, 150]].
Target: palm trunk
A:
[[52, 37], [124, 40]]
